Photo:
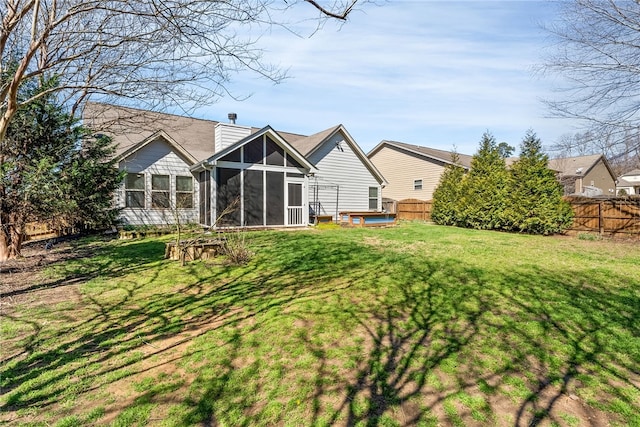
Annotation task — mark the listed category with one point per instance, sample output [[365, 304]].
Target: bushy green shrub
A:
[[446, 197], [525, 198], [485, 188], [534, 201]]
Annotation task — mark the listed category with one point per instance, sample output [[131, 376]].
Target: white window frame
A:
[[374, 198], [178, 192], [158, 192], [128, 190]]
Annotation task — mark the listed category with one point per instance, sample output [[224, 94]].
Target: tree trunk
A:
[[11, 238]]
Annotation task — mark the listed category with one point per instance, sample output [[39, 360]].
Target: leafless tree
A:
[[621, 150], [155, 51], [597, 52]]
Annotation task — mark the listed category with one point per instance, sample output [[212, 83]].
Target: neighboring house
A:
[[585, 175], [629, 182], [412, 171], [214, 173]]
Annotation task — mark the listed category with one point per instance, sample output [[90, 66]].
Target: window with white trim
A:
[[134, 190], [417, 184], [160, 191], [184, 192], [373, 198]]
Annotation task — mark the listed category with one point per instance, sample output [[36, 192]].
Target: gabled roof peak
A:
[[432, 153]]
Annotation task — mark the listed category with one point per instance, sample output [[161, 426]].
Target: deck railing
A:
[[295, 216]]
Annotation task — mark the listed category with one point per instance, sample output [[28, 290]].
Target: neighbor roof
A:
[[580, 165], [440, 155], [635, 172]]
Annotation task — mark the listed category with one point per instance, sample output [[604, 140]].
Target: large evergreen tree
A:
[[446, 197], [51, 170], [534, 203], [485, 189]]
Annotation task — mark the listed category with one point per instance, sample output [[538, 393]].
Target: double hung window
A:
[[373, 198], [160, 191], [184, 192], [134, 190]]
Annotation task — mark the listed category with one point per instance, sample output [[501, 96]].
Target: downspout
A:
[[337, 201]]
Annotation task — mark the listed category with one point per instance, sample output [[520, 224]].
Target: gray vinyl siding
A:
[[401, 168], [227, 134], [157, 158], [341, 178]]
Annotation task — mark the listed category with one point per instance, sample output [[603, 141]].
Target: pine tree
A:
[[535, 203], [51, 170], [485, 188], [446, 197]]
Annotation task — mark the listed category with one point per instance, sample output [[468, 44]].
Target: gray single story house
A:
[[225, 174]]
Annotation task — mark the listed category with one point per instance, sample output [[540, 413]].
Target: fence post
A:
[[600, 217]]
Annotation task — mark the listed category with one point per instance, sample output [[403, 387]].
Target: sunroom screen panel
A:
[[253, 197], [228, 196]]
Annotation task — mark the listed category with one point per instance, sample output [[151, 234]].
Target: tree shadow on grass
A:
[[82, 261], [550, 328], [417, 320], [408, 335], [585, 331], [98, 349]]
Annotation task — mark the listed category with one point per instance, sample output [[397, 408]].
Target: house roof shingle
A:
[[573, 166], [307, 144], [130, 127], [440, 155], [635, 172]]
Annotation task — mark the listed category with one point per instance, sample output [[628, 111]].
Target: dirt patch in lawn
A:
[[22, 280]]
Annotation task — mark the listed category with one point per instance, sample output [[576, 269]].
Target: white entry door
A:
[[295, 203]]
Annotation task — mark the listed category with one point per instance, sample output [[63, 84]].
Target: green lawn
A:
[[412, 325]]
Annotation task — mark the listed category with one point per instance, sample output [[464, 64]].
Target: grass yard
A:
[[412, 325]]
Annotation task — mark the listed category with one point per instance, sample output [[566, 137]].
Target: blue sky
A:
[[431, 73]]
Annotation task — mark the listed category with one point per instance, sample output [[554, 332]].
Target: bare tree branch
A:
[[159, 52], [344, 9], [597, 52]]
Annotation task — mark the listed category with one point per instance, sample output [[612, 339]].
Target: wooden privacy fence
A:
[[43, 231], [414, 209], [617, 216]]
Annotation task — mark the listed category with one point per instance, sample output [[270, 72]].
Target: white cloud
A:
[[431, 73]]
